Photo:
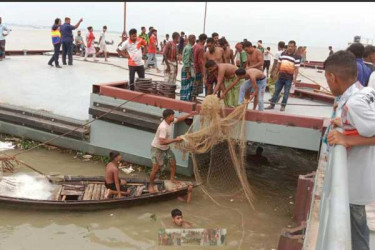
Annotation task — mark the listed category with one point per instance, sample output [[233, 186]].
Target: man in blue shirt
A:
[[363, 71], [67, 40]]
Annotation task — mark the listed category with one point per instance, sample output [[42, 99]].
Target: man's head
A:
[[369, 54], [239, 47], [143, 29], [154, 32], [291, 47], [90, 29], [281, 45], [211, 66], [340, 71], [168, 115], [240, 73], [202, 38], [133, 35], [357, 49], [57, 21], [115, 156], [191, 39], [248, 47], [175, 37], [223, 43], [0, 20], [79, 32], [182, 34], [259, 43], [215, 36], [150, 28], [167, 36], [104, 28], [268, 48], [259, 151], [211, 45], [330, 47], [67, 19], [177, 217]]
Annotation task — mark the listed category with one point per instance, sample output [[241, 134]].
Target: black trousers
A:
[[140, 72], [55, 57], [67, 49]]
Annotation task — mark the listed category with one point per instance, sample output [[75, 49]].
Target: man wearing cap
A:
[[67, 40]]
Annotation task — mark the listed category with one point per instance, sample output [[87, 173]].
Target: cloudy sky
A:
[[310, 24]]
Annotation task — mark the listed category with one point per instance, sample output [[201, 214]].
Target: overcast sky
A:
[[310, 24]]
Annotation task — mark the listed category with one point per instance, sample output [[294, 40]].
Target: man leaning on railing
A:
[[357, 105]]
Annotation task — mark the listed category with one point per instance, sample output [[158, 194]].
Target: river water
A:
[[274, 184]]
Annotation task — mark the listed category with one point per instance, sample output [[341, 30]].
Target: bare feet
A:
[[180, 198], [106, 194], [175, 182], [151, 189]]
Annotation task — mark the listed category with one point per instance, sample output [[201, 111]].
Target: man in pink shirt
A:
[[152, 50]]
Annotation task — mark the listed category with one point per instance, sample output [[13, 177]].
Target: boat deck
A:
[[27, 81]]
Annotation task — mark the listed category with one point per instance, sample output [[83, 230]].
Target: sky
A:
[[309, 24]]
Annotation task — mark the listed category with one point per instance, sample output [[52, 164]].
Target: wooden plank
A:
[[72, 192], [102, 193], [88, 192], [63, 198], [96, 194], [56, 195]]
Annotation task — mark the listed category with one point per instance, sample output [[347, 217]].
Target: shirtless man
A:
[[255, 57], [215, 36], [256, 81], [215, 54], [228, 52], [112, 180], [225, 74], [178, 219]]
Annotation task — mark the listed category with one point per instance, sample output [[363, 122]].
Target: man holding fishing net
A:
[[161, 152]]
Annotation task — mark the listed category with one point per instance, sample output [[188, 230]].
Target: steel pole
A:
[[204, 23], [125, 16]]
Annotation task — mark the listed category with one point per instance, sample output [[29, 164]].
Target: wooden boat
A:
[[88, 193]]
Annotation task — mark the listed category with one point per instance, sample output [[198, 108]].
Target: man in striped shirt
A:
[[132, 49], [288, 65]]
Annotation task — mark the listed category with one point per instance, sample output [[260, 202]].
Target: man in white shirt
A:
[[358, 121], [161, 152], [2, 39], [274, 70], [102, 44], [132, 49]]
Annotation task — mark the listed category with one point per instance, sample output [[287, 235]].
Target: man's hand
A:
[[337, 138], [119, 195], [336, 122], [168, 70], [188, 75], [178, 139], [223, 94], [81, 20], [193, 113], [205, 82]]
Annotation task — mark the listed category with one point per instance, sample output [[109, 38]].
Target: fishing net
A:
[[217, 144]]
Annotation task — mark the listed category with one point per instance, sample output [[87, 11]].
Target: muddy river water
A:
[[273, 182]]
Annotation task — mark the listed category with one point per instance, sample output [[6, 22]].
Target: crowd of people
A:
[[210, 65]]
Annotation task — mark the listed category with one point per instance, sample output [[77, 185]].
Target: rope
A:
[[326, 89]]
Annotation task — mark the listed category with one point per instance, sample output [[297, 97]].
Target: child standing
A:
[[90, 49]]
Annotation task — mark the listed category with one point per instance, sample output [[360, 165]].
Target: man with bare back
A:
[[225, 74], [215, 54], [256, 81], [228, 52], [255, 57]]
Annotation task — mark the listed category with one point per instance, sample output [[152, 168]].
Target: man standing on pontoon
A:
[[67, 40], [170, 55], [132, 49], [2, 39]]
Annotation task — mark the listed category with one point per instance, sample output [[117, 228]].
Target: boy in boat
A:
[[112, 180], [357, 119], [178, 219], [161, 152]]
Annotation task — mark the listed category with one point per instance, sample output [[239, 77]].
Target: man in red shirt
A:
[[152, 50], [199, 65], [132, 49]]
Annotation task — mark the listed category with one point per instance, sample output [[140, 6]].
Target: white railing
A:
[[334, 214]]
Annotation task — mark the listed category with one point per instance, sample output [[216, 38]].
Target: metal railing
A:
[[334, 214]]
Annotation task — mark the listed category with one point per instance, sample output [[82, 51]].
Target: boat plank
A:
[[102, 193], [88, 193], [96, 194], [56, 195]]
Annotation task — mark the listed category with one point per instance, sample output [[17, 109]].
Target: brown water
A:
[[132, 228]]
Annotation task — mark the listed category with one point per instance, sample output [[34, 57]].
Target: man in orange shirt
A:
[[132, 49], [152, 50]]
